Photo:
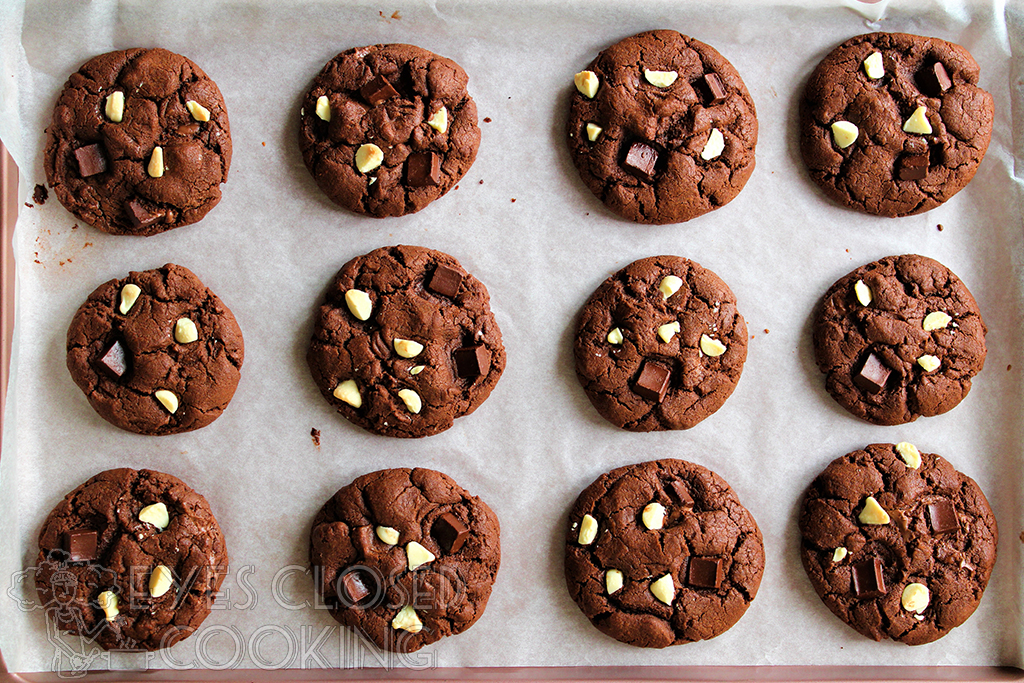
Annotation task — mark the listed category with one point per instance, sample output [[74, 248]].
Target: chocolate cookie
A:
[[156, 352], [894, 124], [139, 142], [662, 128], [897, 543], [406, 557], [132, 559], [405, 342], [660, 345], [387, 129], [899, 338], [662, 553]]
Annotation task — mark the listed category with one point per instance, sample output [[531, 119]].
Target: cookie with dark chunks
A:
[[893, 124], [661, 128], [405, 342], [406, 557], [387, 129], [132, 559], [897, 543], [156, 352], [660, 345], [662, 553], [139, 143], [899, 338]]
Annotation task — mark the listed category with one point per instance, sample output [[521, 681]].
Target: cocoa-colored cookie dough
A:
[[662, 128], [662, 553], [143, 536], [387, 129], [894, 124], [660, 345], [897, 543], [139, 142], [899, 338], [406, 557], [405, 342], [156, 352]]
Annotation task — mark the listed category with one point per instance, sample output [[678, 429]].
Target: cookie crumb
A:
[[481, 181], [30, 205], [314, 434], [1009, 367], [264, 144], [87, 244], [939, 226], [40, 194], [513, 200], [487, 119], [766, 330], [396, 15]]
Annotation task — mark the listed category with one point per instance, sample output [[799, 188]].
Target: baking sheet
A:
[[523, 223]]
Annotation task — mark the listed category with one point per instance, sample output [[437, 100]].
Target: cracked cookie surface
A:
[[392, 97], [121, 557], [702, 538], [917, 310], [940, 533], [615, 371], [124, 386], [888, 171], [362, 542], [674, 120], [99, 156], [427, 351]]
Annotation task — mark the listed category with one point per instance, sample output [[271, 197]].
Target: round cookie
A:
[[661, 128], [405, 342], [660, 345], [387, 129], [406, 557], [921, 123], [903, 343], [164, 362], [139, 142], [897, 543], [662, 553], [110, 536]]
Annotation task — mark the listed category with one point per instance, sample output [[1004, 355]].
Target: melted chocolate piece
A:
[[933, 80], [640, 161], [705, 572], [942, 517], [449, 532], [913, 167], [872, 375], [445, 281], [377, 90], [80, 545], [652, 382], [91, 160], [115, 360], [423, 170], [868, 581], [711, 89]]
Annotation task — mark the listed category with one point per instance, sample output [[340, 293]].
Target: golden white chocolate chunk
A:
[[936, 320], [323, 108], [929, 362], [387, 534], [167, 399], [615, 336], [862, 292], [198, 111], [407, 348], [417, 369], [612, 580], [369, 157], [155, 169], [911, 456], [844, 133], [160, 581], [588, 530], [653, 516], [873, 513], [407, 620], [918, 122], [439, 121], [108, 603], [587, 83], [593, 131], [413, 402], [664, 589], [668, 330], [359, 303], [669, 285], [661, 79], [348, 391], [185, 331], [129, 295], [711, 347], [840, 554], [114, 106], [417, 555], [155, 514], [915, 597], [714, 146], [873, 66]]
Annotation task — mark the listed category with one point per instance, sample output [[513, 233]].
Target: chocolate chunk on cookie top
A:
[[661, 128], [660, 345], [899, 338], [132, 559], [387, 129], [894, 124], [662, 553], [406, 557], [897, 543], [405, 342], [139, 142], [156, 352]]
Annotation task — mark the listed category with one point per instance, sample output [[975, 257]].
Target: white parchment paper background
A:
[[524, 224]]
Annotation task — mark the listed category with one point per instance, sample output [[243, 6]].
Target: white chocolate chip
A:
[[587, 83], [844, 133], [915, 597], [417, 369], [407, 620], [114, 107], [668, 330], [348, 391], [108, 603], [918, 122], [653, 516], [359, 303], [369, 157], [714, 146], [160, 581], [929, 362], [664, 589], [670, 284], [387, 534], [873, 66], [588, 530], [411, 399], [155, 169], [612, 580], [840, 554], [155, 514], [711, 347], [661, 79], [593, 131], [911, 456], [863, 293], [198, 111], [129, 295], [167, 399], [936, 320], [873, 513], [615, 336], [185, 331], [406, 348], [417, 555], [439, 121], [323, 108]]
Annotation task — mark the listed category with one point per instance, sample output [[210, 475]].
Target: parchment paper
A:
[[524, 224]]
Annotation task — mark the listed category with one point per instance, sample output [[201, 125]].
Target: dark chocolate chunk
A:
[[653, 381], [471, 361], [91, 160], [942, 517], [115, 360], [356, 586], [449, 532], [872, 375], [423, 170], [640, 161], [913, 167], [868, 581], [711, 89], [933, 80], [445, 281], [679, 490], [139, 216], [377, 90], [80, 545], [705, 572]]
